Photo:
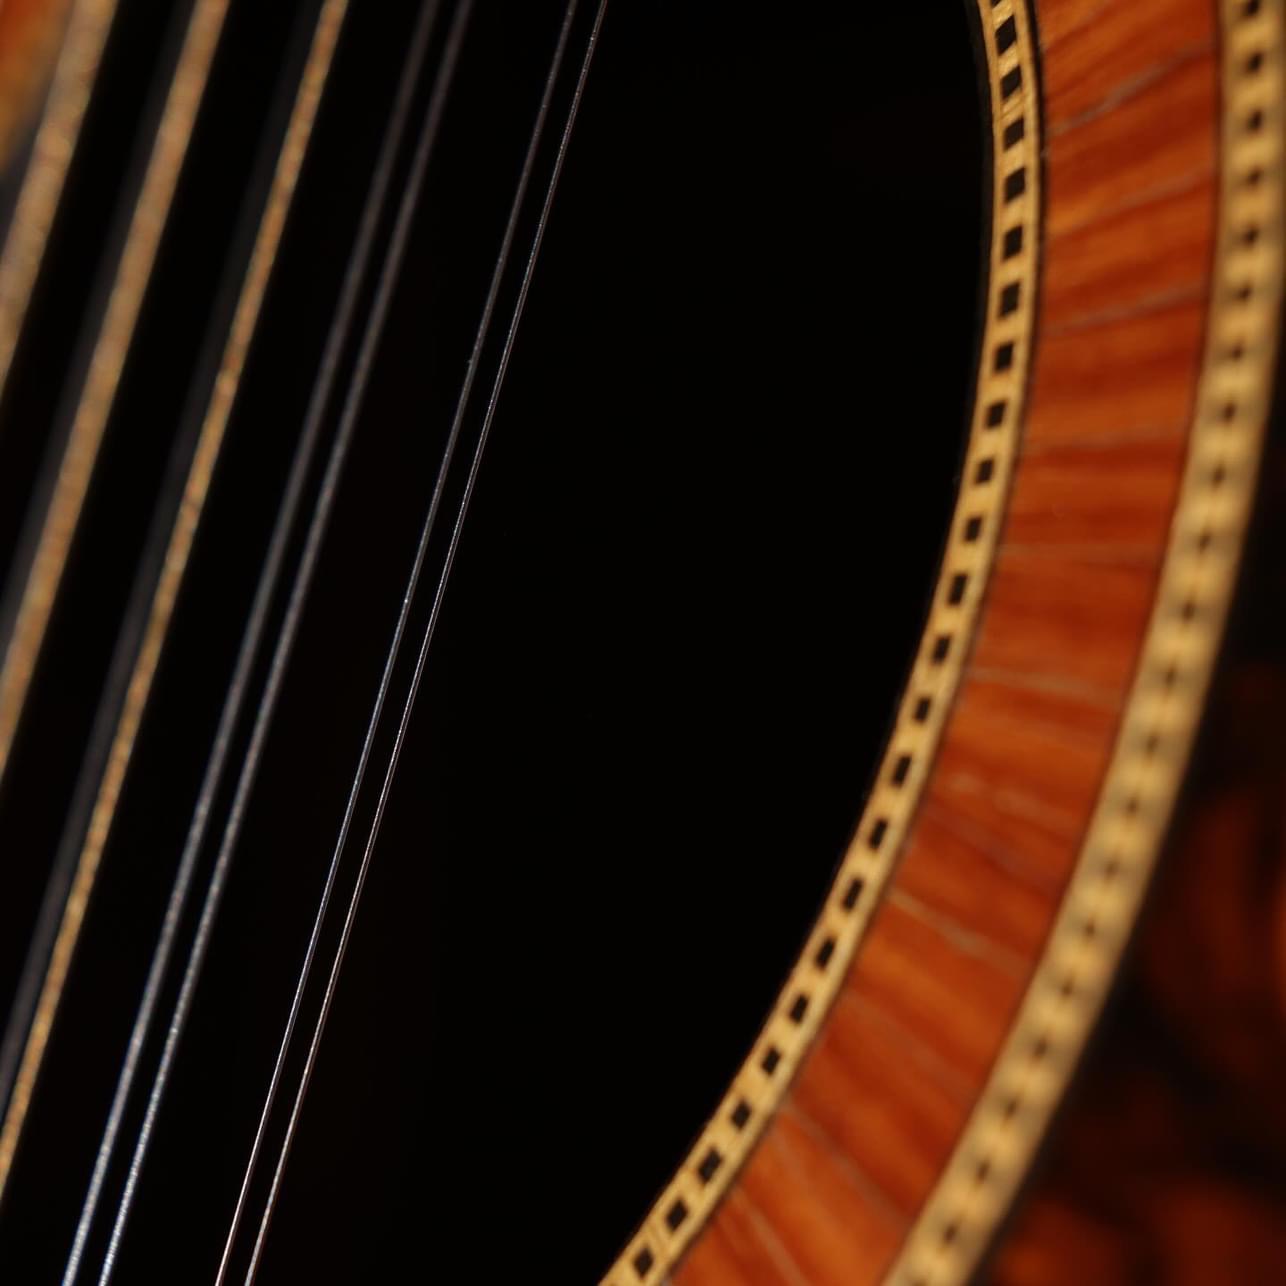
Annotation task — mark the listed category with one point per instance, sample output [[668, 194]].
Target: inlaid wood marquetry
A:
[[1166, 697], [206, 748], [1003, 369], [989, 913]]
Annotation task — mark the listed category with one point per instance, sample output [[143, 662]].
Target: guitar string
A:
[[20, 1057], [386, 676], [57, 134], [439, 590], [247, 656], [281, 656], [47, 536], [151, 607], [157, 112], [252, 638], [489, 305], [144, 159]]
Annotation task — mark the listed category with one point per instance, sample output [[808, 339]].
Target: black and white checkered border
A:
[[1161, 715], [761, 1083]]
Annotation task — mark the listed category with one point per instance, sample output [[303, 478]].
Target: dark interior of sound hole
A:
[[690, 585]]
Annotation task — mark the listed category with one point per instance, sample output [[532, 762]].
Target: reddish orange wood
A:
[[1074, 714], [967, 882], [1113, 497], [882, 1096], [1066, 615], [1029, 822], [1119, 379], [1139, 259], [1120, 49], [760, 1257], [714, 1262], [952, 1001], [1159, 139], [825, 1214], [878, 1093], [1169, 1163]]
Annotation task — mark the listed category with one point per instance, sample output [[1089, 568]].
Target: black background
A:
[[688, 590]]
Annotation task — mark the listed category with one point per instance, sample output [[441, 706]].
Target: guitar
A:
[[604, 614]]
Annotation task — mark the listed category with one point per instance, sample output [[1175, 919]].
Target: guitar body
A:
[[641, 642]]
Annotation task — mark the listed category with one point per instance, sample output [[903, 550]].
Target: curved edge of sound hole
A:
[[691, 583]]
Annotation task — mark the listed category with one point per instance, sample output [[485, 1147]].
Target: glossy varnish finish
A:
[[1169, 1161], [1009, 266], [1132, 132], [893, 1100]]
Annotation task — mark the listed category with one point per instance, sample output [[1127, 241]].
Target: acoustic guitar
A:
[[641, 642]]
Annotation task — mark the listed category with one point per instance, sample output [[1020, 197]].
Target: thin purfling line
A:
[[202, 37], [102, 379]]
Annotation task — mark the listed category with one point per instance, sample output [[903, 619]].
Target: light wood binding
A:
[[918, 1105], [890, 1109], [31, 33], [803, 1004]]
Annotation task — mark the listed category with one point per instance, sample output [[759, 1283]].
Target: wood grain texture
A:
[[815, 983], [1169, 1161], [1132, 201]]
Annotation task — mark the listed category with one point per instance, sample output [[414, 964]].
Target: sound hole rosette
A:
[[802, 1006], [991, 915]]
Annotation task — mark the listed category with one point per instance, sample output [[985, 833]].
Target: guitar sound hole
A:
[[688, 591]]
